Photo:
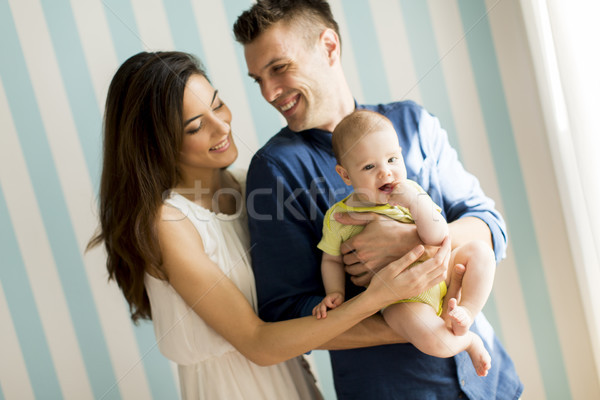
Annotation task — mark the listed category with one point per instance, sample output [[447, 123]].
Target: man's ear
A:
[[343, 174], [331, 41]]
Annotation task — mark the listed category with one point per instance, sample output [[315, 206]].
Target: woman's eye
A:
[[221, 104], [194, 130]]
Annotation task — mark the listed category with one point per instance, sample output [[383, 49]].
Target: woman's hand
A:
[[396, 281], [381, 242]]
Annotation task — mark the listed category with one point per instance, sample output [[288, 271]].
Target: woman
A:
[[173, 224]]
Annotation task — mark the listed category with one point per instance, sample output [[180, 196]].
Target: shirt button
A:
[[462, 382]]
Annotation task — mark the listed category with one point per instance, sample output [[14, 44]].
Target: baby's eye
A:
[[369, 166], [393, 160]]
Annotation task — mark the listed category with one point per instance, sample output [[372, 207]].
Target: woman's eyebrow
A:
[[200, 115]]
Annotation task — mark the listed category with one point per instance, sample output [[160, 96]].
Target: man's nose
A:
[[270, 90]]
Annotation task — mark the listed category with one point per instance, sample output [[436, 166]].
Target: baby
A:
[[369, 158]]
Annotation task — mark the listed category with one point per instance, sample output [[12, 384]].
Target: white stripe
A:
[[14, 379], [395, 50], [216, 36], [543, 195], [37, 254], [78, 193], [476, 154], [100, 54], [151, 19], [349, 61]]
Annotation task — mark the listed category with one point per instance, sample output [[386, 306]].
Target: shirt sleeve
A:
[[460, 191], [283, 238], [331, 241]]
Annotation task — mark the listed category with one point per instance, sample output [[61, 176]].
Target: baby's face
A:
[[375, 165]]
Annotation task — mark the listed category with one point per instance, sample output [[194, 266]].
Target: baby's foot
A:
[[460, 318], [479, 356]]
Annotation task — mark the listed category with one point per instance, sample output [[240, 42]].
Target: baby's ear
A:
[[344, 174]]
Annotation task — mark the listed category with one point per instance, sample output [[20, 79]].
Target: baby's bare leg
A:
[[418, 323], [480, 264]]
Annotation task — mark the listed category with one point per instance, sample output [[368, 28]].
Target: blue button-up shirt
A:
[[291, 184]]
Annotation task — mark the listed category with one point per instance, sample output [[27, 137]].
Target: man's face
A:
[[293, 75]]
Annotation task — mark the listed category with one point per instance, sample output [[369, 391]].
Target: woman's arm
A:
[[221, 305]]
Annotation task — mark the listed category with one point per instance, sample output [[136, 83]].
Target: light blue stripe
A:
[[77, 81], [162, 381], [57, 223], [24, 313], [184, 30], [323, 363], [427, 62], [123, 28], [365, 44], [514, 195], [265, 117]]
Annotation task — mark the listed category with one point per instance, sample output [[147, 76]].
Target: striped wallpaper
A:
[[66, 333]]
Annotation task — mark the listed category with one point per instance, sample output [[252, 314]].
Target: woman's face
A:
[[207, 141]]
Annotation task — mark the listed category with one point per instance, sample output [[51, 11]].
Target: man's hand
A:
[[382, 241]]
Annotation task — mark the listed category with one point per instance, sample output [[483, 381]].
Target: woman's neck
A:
[[206, 189]]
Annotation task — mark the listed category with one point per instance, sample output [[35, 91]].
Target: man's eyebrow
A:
[[267, 65], [200, 115]]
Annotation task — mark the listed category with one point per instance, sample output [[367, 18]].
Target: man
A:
[[292, 51]]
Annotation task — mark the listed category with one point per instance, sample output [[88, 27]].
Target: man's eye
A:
[[280, 68]]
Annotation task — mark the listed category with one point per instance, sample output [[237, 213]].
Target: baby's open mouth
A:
[[387, 188]]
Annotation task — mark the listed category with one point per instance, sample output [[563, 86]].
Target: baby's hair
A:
[[353, 128]]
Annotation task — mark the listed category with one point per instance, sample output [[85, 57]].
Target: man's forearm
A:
[[372, 331], [467, 229]]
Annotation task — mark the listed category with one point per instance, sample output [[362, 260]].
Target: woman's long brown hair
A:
[[143, 129]]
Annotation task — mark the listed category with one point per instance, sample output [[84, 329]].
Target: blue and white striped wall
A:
[[65, 332]]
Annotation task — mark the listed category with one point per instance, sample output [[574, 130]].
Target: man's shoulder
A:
[[281, 156], [406, 109], [285, 141], [286, 150]]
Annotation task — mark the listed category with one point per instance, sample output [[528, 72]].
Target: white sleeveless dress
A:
[[209, 367]]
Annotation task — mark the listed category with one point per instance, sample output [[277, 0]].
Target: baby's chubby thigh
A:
[[419, 324]]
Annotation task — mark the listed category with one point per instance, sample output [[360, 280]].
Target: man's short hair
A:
[[311, 15]]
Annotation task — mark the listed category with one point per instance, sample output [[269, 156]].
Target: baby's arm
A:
[[333, 275], [431, 225]]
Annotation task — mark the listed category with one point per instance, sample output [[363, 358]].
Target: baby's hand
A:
[[331, 301], [403, 194]]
